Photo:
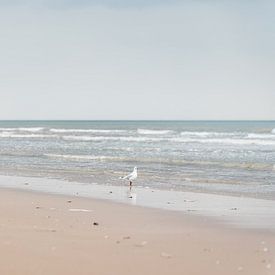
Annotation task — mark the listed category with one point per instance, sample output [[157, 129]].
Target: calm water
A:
[[213, 156]]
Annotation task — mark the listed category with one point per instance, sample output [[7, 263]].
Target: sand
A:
[[55, 234]]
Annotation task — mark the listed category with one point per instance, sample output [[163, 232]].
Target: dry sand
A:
[[50, 234]]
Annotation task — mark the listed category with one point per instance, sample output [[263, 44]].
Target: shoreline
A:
[[61, 234], [231, 211]]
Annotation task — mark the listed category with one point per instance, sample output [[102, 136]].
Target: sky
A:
[[154, 59]]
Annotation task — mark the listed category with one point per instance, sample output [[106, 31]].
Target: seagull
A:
[[131, 177]]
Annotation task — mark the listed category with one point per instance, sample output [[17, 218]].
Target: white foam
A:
[[31, 129], [112, 138], [153, 132], [234, 141], [23, 129], [261, 136], [13, 135], [79, 157], [226, 141], [209, 134], [56, 130], [273, 131]]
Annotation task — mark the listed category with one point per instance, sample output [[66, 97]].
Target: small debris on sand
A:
[[268, 266], [106, 237], [126, 238], [218, 262], [240, 268], [143, 243], [110, 192], [37, 207], [26, 183], [234, 208], [265, 249], [165, 255], [79, 210], [69, 201], [130, 197], [95, 223]]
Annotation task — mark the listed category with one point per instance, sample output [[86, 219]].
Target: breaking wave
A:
[[55, 130], [12, 135], [209, 134], [233, 141], [154, 132], [112, 138], [23, 129]]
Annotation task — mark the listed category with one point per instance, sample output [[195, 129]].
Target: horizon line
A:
[[247, 120]]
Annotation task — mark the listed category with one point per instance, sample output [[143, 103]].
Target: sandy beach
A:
[[55, 234]]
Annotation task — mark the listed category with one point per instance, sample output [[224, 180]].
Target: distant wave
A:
[[56, 130], [227, 135], [226, 141], [154, 132], [233, 141], [273, 131], [23, 129], [113, 138], [261, 136], [12, 135], [209, 134]]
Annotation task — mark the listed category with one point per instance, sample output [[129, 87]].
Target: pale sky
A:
[[154, 59]]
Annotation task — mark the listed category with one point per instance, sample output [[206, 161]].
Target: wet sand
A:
[[57, 234]]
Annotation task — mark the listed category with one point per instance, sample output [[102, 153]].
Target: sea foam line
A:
[[112, 138], [12, 135], [55, 130], [154, 132], [79, 157], [23, 129]]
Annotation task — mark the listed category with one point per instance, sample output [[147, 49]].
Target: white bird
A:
[[131, 177]]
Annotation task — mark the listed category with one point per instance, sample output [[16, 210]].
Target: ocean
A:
[[224, 157]]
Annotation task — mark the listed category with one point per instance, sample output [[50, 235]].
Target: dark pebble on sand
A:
[[69, 201], [95, 223]]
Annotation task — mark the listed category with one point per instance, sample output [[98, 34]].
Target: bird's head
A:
[[135, 168]]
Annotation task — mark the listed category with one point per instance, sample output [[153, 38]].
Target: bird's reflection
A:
[[132, 195]]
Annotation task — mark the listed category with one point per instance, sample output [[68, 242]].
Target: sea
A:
[[224, 157]]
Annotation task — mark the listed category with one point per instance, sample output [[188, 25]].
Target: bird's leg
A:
[[130, 183]]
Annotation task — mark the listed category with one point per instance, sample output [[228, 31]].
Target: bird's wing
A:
[[128, 176]]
